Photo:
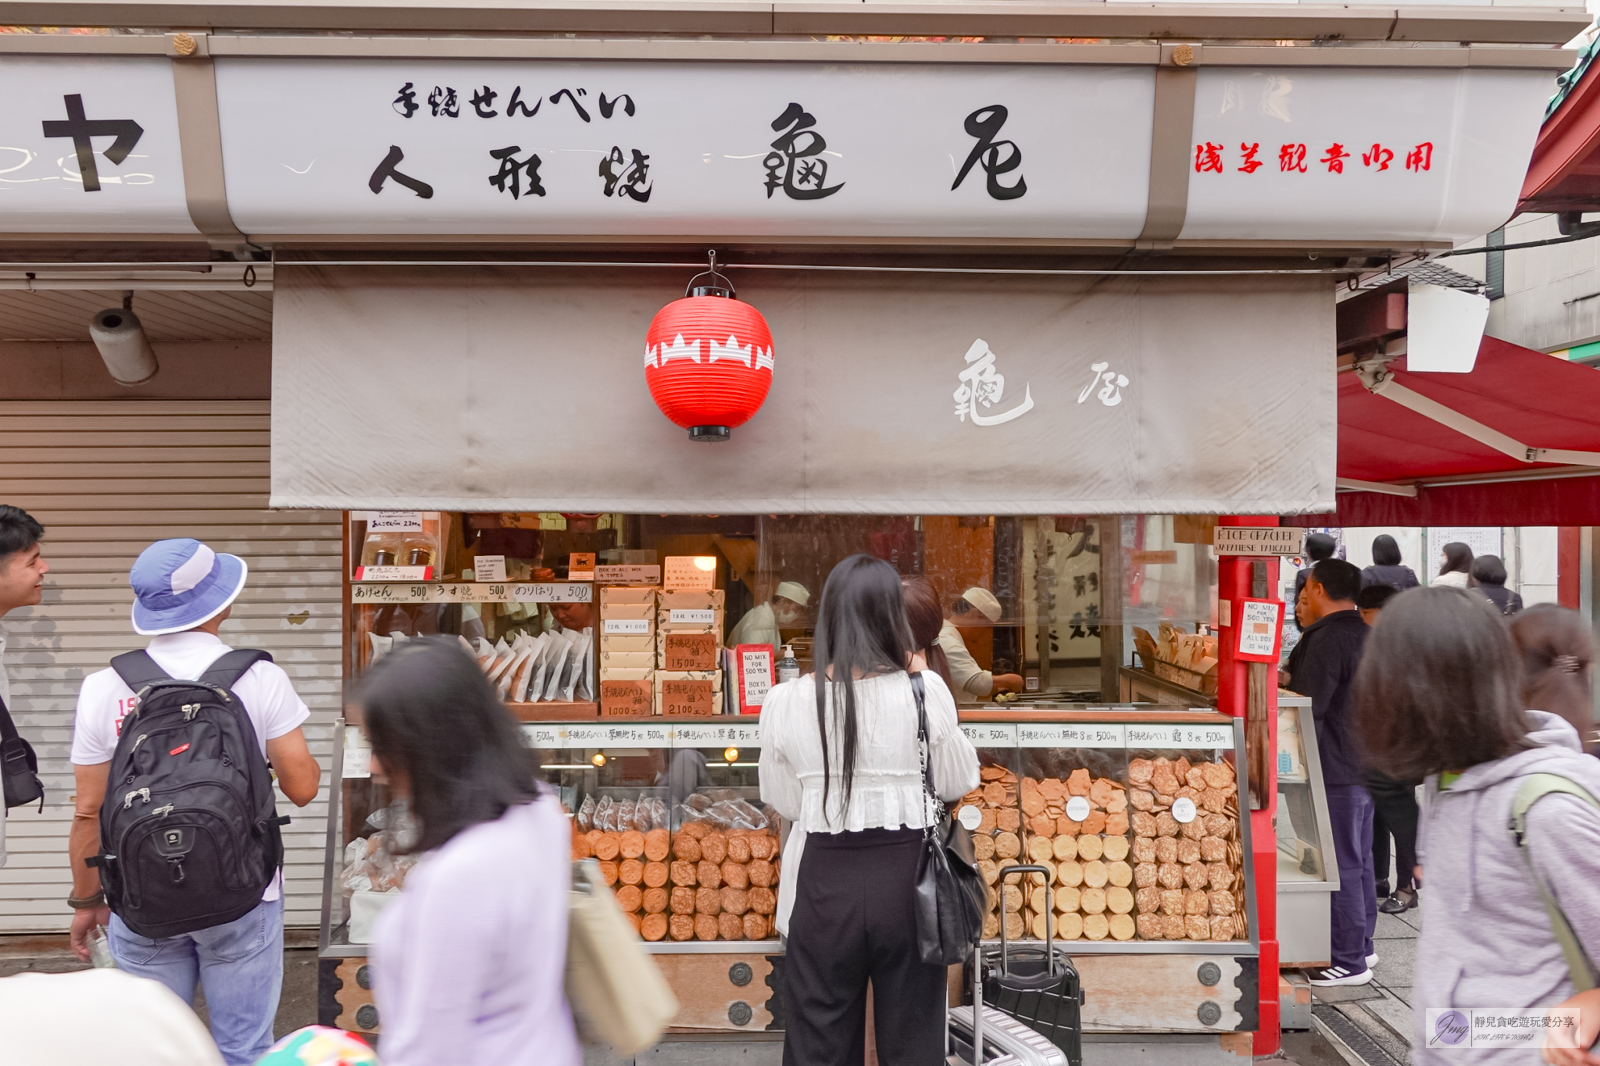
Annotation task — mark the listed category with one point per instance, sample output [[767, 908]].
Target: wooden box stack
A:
[[688, 649], [627, 651]]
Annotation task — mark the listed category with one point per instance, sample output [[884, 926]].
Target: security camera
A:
[[120, 337]]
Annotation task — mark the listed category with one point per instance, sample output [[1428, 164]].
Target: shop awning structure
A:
[[1564, 173], [1514, 442]]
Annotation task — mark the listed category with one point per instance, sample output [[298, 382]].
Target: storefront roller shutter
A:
[[106, 478]]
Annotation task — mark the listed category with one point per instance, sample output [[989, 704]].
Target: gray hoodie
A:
[[1486, 941]]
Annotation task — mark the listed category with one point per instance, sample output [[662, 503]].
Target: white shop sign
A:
[[990, 734], [537, 592], [1180, 736], [351, 146]]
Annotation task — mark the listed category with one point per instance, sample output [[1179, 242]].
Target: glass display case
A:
[[1307, 873], [1132, 805]]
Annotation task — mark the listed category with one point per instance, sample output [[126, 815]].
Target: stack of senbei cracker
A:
[[1078, 828], [1187, 852], [724, 885]]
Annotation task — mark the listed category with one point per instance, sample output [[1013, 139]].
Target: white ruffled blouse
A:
[[887, 791]]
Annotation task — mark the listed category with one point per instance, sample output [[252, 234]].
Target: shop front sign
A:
[[730, 149]]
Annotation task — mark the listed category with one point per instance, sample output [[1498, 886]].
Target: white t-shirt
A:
[[104, 701]]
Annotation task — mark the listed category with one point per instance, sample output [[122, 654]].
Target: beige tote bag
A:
[[616, 990]]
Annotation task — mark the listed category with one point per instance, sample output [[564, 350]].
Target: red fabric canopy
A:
[[1535, 398]]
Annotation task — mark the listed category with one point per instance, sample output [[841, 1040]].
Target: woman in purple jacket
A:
[[468, 963]]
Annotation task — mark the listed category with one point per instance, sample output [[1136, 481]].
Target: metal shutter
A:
[[106, 478]]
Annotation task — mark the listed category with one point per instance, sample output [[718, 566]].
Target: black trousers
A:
[[1395, 814], [853, 922]]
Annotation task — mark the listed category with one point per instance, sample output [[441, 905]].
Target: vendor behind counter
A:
[[977, 607]]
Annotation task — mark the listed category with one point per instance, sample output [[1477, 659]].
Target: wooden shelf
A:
[[555, 710]]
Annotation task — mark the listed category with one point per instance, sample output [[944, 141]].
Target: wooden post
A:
[[1110, 608]]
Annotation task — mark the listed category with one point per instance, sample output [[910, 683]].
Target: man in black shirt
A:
[[1323, 666]]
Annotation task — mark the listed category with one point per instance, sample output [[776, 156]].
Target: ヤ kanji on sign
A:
[[1420, 158], [1207, 156], [1292, 157], [81, 128], [1251, 164], [1334, 158]]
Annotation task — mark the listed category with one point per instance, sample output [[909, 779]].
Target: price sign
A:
[[489, 568], [394, 521], [471, 592], [628, 575], [696, 735], [626, 699], [1260, 629], [543, 737], [394, 573], [1073, 735], [690, 651], [690, 572], [357, 754], [637, 736], [990, 734], [631, 627], [756, 676], [583, 736], [1180, 736], [684, 616], [691, 697]]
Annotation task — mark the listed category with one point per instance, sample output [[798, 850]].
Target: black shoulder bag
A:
[[950, 892], [19, 766]]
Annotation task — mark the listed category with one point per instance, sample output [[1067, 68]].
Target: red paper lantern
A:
[[708, 361]]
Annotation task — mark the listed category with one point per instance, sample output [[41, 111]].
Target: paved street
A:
[[1372, 1024]]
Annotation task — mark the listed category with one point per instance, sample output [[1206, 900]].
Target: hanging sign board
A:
[[1258, 540]]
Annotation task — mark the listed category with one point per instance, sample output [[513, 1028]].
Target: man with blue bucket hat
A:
[[214, 717]]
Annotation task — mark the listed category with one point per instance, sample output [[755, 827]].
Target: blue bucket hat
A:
[[179, 584]]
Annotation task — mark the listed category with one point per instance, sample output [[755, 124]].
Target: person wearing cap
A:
[[183, 592], [761, 623], [977, 607]]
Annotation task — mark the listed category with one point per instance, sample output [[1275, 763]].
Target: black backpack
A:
[[189, 830]]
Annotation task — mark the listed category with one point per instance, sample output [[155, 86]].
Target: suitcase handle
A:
[[1049, 916]]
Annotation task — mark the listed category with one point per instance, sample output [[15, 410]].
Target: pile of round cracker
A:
[[722, 885], [1186, 875], [1107, 876]]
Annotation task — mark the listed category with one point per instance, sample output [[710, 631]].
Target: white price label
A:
[[394, 521], [489, 568], [1180, 736], [638, 736], [990, 734], [1064, 735], [583, 736], [543, 737], [357, 754], [638, 627], [628, 575], [1183, 810], [970, 818], [468, 592], [685, 616], [756, 669], [394, 573], [1078, 808], [720, 735]]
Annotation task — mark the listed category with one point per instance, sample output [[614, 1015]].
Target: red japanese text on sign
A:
[[1208, 156]]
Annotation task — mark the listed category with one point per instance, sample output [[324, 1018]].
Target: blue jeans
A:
[[240, 965]]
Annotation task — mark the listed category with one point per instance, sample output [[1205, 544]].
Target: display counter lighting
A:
[[598, 758], [730, 755]]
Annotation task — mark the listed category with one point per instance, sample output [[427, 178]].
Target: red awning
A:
[[1438, 474], [1564, 173]]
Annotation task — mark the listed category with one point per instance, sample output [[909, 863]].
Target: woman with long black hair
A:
[[468, 962], [840, 759]]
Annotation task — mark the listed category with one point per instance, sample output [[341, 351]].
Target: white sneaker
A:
[[1338, 975], [1372, 960]]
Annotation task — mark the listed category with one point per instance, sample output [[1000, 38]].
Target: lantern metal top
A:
[[725, 289]]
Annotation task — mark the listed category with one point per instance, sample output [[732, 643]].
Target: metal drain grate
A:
[[1354, 1037]]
